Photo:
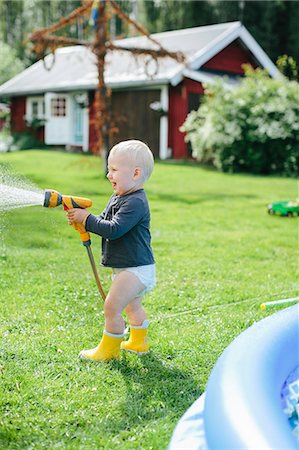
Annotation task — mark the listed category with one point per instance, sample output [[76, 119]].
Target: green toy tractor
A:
[[285, 208]]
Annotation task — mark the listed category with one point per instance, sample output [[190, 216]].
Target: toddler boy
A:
[[126, 247]]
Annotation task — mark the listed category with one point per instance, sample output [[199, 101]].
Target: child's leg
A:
[[125, 287], [135, 312], [137, 342]]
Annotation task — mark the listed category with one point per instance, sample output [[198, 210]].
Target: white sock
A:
[[114, 335], [145, 324]]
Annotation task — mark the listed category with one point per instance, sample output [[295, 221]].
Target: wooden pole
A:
[[102, 94]]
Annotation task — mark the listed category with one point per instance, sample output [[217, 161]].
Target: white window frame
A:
[[40, 108]]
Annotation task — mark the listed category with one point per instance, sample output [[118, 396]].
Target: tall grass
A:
[[219, 255]]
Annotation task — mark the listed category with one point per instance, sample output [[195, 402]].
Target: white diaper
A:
[[146, 275]]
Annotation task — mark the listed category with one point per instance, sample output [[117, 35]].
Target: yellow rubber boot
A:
[[138, 342], [108, 348]]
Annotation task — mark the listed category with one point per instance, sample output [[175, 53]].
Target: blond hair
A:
[[138, 154]]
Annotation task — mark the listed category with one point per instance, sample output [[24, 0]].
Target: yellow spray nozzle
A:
[[54, 198], [69, 202]]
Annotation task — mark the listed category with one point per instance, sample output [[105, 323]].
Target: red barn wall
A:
[[17, 113], [176, 116], [230, 59], [17, 119], [178, 110]]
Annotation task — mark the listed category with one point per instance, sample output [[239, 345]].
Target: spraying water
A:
[[12, 197], [17, 192]]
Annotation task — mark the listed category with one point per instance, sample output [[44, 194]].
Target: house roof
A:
[[74, 67]]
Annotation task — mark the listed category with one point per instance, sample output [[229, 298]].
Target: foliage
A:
[[4, 115], [4, 119], [35, 123], [273, 24], [288, 67], [10, 65], [19, 17], [165, 15], [251, 128], [25, 140], [50, 308]]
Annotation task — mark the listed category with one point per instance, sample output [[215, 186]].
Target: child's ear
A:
[[137, 173]]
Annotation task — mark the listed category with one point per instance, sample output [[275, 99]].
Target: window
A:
[[35, 108], [58, 107]]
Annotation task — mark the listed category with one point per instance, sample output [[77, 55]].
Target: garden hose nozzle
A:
[[54, 198]]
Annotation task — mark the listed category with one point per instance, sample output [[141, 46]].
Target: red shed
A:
[[150, 100]]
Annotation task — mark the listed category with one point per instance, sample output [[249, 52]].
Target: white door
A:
[[58, 117]]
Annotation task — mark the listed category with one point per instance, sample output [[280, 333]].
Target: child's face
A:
[[123, 176]]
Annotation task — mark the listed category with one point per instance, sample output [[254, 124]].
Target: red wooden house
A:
[[150, 100]]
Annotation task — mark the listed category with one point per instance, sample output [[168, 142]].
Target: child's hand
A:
[[77, 215]]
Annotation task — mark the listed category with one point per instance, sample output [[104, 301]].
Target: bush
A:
[[252, 128], [25, 140]]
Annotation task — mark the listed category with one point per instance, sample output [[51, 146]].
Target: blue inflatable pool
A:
[[242, 406]]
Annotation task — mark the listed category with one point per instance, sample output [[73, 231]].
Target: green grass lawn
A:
[[219, 256]]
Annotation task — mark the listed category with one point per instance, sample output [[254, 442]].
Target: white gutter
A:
[[118, 85]]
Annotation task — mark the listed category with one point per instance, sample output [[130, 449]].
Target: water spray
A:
[[12, 197], [51, 200]]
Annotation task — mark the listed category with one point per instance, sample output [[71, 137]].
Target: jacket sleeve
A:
[[128, 215], [103, 213]]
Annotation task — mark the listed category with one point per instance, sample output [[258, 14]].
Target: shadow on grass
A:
[[155, 390], [193, 199]]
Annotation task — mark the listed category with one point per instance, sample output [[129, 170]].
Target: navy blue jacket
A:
[[125, 229]]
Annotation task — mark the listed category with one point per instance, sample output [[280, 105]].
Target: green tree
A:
[[10, 63], [293, 41], [251, 128], [168, 15], [19, 17]]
